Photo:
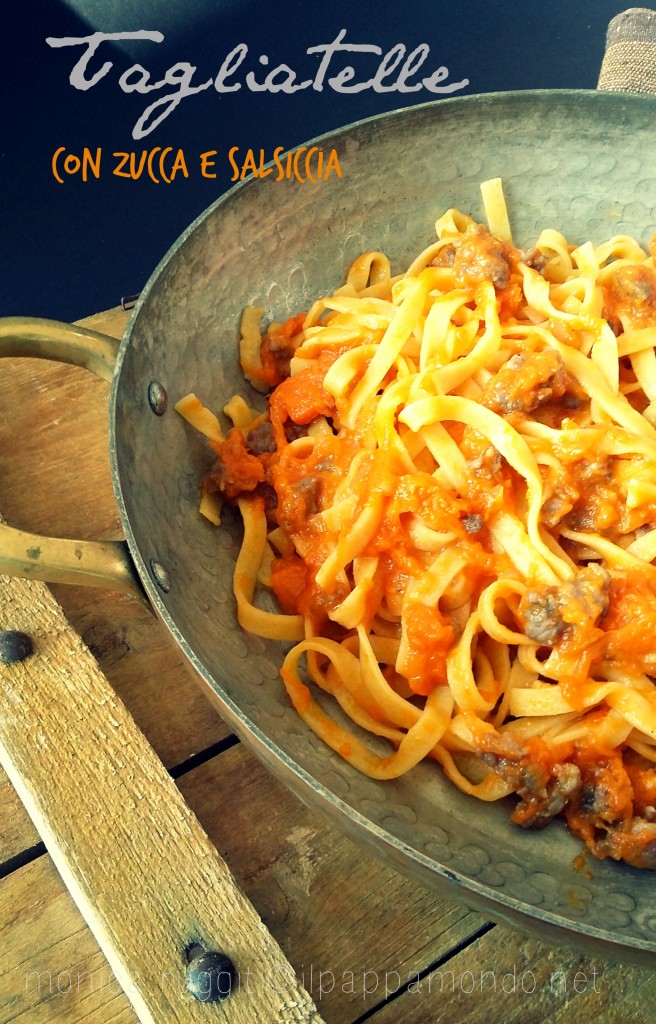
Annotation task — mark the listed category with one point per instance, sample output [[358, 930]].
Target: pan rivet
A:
[[161, 576], [14, 646], [157, 397], [210, 975]]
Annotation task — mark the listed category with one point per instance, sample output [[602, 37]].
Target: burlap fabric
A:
[[629, 63]]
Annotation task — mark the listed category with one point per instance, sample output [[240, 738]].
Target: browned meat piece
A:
[[277, 348], [592, 491], [547, 612], [473, 523], [634, 842], [604, 815], [483, 458], [299, 501], [281, 350], [260, 439], [478, 256], [533, 258], [631, 297], [540, 804], [235, 471], [606, 792], [445, 257], [294, 430], [585, 598], [482, 257], [525, 382], [543, 792], [524, 777], [557, 507], [605, 801], [270, 497], [541, 618], [310, 489], [643, 779], [489, 462]]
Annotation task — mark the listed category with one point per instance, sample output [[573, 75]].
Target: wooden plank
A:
[[47, 408], [147, 671], [129, 850], [52, 970], [149, 675], [53, 482], [17, 833], [506, 976], [342, 918], [344, 921]]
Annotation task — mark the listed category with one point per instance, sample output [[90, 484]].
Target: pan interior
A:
[[583, 163]]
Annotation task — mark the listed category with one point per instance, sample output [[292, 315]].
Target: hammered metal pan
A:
[[583, 162]]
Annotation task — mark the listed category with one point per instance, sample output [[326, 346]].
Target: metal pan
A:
[[582, 162]]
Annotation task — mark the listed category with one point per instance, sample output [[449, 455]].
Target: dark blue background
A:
[[74, 249]]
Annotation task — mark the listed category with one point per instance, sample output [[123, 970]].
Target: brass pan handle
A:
[[54, 560]]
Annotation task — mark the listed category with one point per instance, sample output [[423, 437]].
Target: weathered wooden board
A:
[[343, 918], [513, 979], [54, 478], [139, 866]]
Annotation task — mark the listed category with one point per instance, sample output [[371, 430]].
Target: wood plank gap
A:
[[85, 773], [203, 756], [19, 860], [420, 975], [30, 854]]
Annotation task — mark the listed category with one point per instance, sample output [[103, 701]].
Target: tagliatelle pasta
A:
[[452, 495]]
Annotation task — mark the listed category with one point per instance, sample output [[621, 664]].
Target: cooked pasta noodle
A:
[[453, 497]]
